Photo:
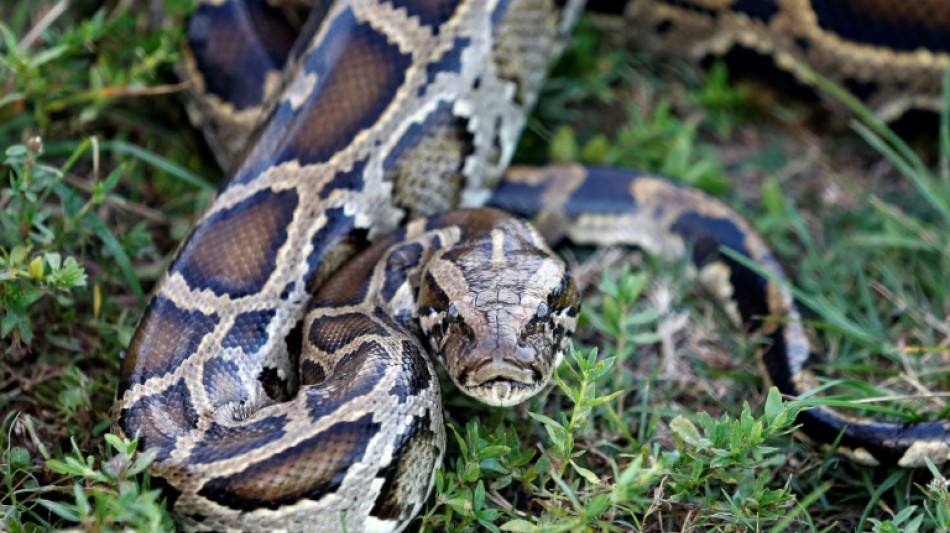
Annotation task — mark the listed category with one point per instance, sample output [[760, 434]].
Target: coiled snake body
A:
[[382, 112]]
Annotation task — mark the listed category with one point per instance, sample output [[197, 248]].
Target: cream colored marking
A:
[[448, 274], [408, 32], [568, 178], [640, 229], [938, 452], [543, 281], [715, 278], [299, 90], [498, 260], [858, 455]]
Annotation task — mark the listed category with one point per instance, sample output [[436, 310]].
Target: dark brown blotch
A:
[[399, 266], [415, 376], [406, 478], [901, 26], [235, 46], [330, 333], [353, 376], [160, 418], [234, 251], [278, 387], [310, 469], [312, 372], [249, 331], [432, 299], [357, 73], [432, 13], [165, 337], [222, 442], [334, 243], [565, 296]]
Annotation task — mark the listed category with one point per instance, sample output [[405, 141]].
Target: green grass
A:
[[665, 425]]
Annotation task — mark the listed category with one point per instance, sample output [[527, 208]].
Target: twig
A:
[[45, 21]]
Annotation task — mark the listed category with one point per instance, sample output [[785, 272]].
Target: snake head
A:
[[499, 311]]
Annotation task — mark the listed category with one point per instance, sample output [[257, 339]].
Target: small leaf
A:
[[596, 150], [472, 473], [492, 451], [7, 324], [492, 465], [19, 457], [115, 441], [544, 420], [18, 254], [478, 500], [563, 146], [773, 405], [772, 197], [60, 510], [459, 440], [586, 474], [519, 526], [54, 260], [68, 468], [603, 399], [687, 431], [16, 151], [36, 268]]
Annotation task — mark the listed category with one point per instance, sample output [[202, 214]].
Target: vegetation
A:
[[665, 425]]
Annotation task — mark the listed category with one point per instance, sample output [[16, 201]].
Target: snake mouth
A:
[[502, 392], [500, 384]]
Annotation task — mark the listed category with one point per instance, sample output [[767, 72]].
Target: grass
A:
[[658, 421]]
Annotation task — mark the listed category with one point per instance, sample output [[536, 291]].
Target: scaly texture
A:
[[383, 111], [890, 54], [373, 93]]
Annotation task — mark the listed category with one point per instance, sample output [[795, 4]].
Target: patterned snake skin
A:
[[286, 390]]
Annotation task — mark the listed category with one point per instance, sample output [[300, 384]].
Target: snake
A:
[[283, 371]]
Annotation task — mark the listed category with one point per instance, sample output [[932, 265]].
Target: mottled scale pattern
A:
[[373, 113], [234, 62], [889, 53], [672, 220], [285, 383]]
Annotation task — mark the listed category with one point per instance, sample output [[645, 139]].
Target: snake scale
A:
[[280, 369]]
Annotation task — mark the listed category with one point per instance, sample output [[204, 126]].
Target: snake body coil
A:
[[380, 112]]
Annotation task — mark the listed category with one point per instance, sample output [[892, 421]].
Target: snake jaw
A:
[[504, 393], [498, 375], [499, 379]]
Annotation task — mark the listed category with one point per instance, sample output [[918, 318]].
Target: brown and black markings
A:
[[165, 337], [417, 445], [889, 53], [237, 51], [159, 419], [234, 253], [309, 470], [676, 221], [326, 141]]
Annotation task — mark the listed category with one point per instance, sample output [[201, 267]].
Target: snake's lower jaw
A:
[[501, 383], [502, 392]]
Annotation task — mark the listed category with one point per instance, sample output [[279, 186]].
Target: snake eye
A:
[[542, 310], [453, 314]]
